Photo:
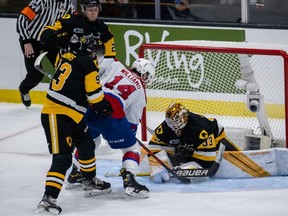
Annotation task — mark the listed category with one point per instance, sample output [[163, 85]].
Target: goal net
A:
[[242, 85]]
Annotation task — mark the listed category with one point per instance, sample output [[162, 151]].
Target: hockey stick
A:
[[182, 174], [37, 65], [111, 174], [200, 172], [180, 178]]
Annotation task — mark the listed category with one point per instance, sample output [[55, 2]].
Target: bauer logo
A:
[[192, 173]]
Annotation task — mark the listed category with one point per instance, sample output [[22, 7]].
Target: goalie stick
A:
[[183, 173], [180, 178], [38, 66], [179, 173], [114, 174]]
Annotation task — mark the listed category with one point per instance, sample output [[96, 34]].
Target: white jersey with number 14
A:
[[128, 87]]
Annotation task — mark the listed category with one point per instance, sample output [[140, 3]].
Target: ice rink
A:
[[24, 161]]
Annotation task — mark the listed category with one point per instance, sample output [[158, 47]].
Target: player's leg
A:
[[130, 165], [119, 135], [92, 185], [75, 176], [58, 134], [122, 137], [33, 76]]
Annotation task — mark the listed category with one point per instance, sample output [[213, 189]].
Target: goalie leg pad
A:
[[157, 172]]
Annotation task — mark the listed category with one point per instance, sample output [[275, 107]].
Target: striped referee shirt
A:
[[39, 13]]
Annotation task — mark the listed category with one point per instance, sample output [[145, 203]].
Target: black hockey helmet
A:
[[89, 3], [92, 46]]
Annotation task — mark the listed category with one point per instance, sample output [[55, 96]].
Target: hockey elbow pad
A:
[[48, 37], [62, 39]]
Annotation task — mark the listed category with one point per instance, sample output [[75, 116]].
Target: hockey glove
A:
[[181, 155], [182, 151], [103, 108]]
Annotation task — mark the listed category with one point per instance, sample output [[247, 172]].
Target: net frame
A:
[[243, 48]]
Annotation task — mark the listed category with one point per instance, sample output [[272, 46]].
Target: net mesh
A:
[[205, 83]]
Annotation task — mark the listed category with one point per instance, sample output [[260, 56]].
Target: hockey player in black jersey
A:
[[187, 137], [80, 25], [74, 86]]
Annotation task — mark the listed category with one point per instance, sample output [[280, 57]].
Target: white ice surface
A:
[[24, 161]]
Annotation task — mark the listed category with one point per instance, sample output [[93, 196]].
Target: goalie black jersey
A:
[[74, 84], [200, 135], [79, 25]]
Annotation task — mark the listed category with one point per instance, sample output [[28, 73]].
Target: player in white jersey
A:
[[125, 90]]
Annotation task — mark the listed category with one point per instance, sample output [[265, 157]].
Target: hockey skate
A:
[[95, 187], [47, 204], [132, 187], [25, 97], [74, 179]]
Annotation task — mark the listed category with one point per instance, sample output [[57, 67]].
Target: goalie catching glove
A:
[[183, 151], [103, 108], [182, 154]]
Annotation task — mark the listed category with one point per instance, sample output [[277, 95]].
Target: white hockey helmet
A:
[[145, 69]]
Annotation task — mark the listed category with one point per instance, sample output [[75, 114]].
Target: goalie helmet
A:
[[176, 117], [145, 69], [93, 46], [89, 3]]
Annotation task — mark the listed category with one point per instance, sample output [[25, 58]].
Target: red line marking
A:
[[18, 133], [27, 154]]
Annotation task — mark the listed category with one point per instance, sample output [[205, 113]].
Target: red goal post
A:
[[218, 62]]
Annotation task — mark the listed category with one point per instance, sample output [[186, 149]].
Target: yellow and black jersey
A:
[[75, 83], [202, 135], [79, 25]]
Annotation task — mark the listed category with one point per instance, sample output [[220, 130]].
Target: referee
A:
[[31, 21]]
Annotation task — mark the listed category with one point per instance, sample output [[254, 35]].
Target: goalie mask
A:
[[176, 117], [144, 69]]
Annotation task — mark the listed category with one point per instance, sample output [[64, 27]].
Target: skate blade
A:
[[92, 193], [75, 186], [130, 191], [47, 211]]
